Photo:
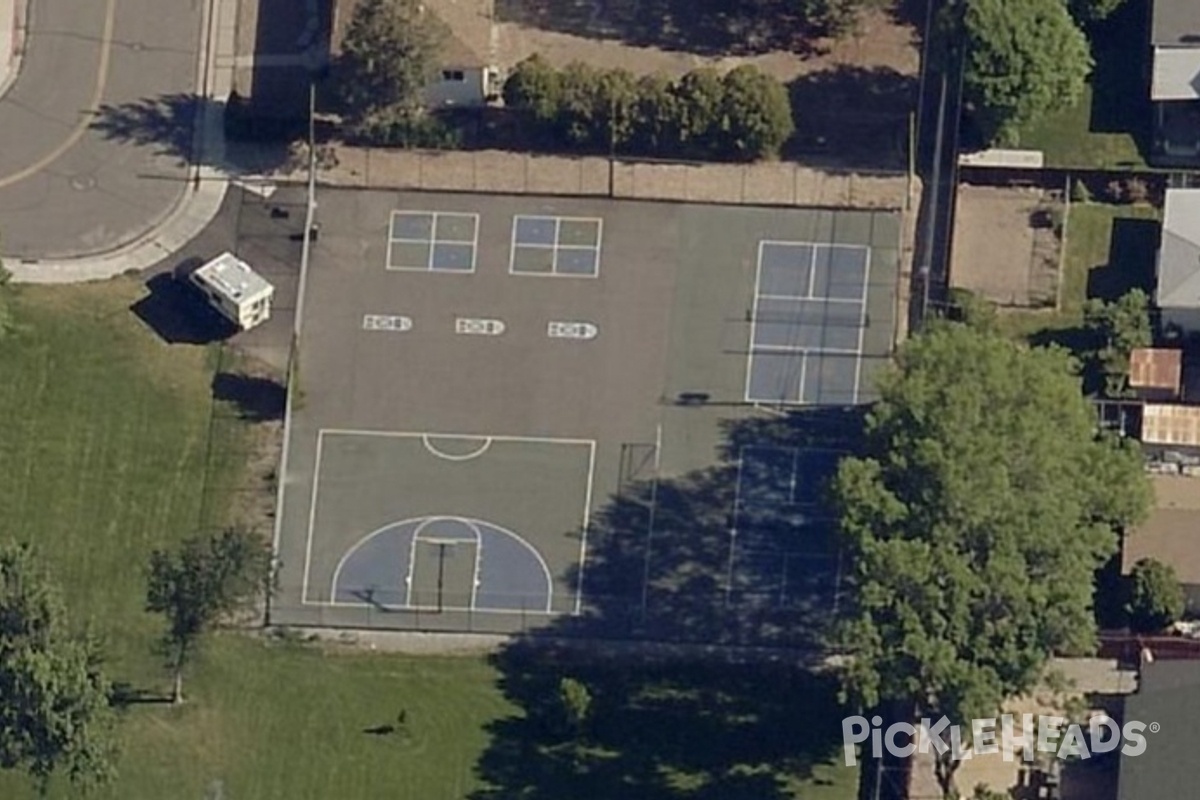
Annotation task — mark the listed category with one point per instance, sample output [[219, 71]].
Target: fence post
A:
[[1062, 245]]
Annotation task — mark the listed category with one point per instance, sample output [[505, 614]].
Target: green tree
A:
[[581, 114], [575, 701], [1024, 59], [1118, 328], [534, 89], [207, 579], [55, 716], [656, 116], [389, 55], [757, 114], [1155, 596], [975, 520], [699, 96]]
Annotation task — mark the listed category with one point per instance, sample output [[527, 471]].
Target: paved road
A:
[[95, 134]]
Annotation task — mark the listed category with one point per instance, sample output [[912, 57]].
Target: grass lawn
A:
[[105, 456], [1111, 125], [1110, 249]]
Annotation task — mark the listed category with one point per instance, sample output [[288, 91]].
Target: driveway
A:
[[95, 135]]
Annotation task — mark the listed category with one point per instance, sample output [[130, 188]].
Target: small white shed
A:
[[234, 290]]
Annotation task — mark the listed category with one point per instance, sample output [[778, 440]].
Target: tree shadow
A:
[[658, 728], [857, 114], [123, 695], [698, 660], [1132, 250], [704, 27], [169, 125], [176, 314], [1120, 100], [257, 398]]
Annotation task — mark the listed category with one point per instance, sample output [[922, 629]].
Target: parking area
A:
[[461, 428]]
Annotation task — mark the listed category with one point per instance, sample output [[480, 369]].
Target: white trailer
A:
[[234, 290]]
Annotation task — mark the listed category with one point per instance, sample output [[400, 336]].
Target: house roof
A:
[[1168, 694], [1165, 424], [1176, 73], [1175, 22], [1179, 251], [1155, 368]]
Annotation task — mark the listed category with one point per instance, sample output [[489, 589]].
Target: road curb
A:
[[20, 20], [193, 210]]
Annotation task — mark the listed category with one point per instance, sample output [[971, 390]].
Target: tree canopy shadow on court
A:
[[664, 721]]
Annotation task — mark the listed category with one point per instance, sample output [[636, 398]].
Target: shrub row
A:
[[744, 115]]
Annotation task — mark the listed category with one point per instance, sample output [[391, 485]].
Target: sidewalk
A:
[[198, 205], [11, 35]]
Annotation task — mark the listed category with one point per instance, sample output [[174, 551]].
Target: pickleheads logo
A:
[[1036, 734]]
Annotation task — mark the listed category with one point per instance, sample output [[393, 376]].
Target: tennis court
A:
[[782, 540], [810, 313]]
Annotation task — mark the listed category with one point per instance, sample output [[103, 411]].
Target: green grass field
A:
[[104, 456], [1111, 125]]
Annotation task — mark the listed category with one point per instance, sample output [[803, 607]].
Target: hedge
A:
[[743, 115]]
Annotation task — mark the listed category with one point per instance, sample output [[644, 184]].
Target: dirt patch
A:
[[879, 42], [1007, 245]]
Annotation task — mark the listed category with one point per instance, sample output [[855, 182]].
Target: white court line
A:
[[458, 609], [350, 551], [812, 270], [861, 331], [554, 255], [312, 517], [441, 435], [434, 241], [478, 557], [555, 246], [587, 513], [487, 444], [412, 556], [753, 321], [791, 348], [809, 298]]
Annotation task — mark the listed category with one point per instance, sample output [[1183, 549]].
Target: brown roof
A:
[[1151, 368], [469, 22], [1171, 424]]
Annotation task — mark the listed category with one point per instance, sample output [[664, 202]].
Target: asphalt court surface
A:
[[432, 241], [552, 245], [478, 558], [560, 379], [810, 314], [783, 539]]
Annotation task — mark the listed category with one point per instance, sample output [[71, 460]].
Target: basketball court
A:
[[480, 378]]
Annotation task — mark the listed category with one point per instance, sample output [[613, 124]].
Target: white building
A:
[[234, 290], [1178, 290]]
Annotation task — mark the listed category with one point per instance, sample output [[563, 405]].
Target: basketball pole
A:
[[650, 520]]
